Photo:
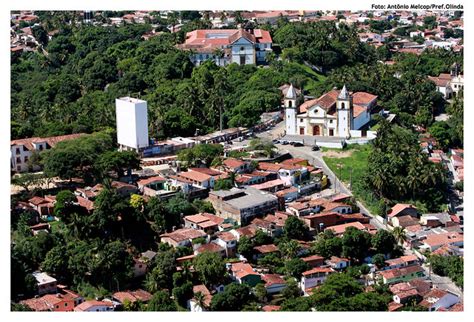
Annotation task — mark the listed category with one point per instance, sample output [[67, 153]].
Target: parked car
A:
[[296, 144], [275, 141], [284, 142], [315, 148]]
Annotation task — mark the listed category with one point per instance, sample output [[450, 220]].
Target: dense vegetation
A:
[[451, 266]]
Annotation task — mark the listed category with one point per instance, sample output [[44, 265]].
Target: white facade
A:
[[344, 113], [333, 114], [243, 52], [291, 109], [132, 123]]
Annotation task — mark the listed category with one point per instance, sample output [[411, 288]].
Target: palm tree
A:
[[200, 299], [290, 249], [400, 234]]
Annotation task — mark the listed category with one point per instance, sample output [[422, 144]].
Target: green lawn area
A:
[[313, 86], [353, 157], [356, 160]]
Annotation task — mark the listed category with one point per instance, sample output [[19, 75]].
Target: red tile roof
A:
[[51, 141], [265, 249], [270, 308], [37, 200], [272, 279], [340, 229], [84, 306], [144, 182], [398, 208], [326, 270]]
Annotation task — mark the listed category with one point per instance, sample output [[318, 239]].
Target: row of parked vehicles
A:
[[294, 143]]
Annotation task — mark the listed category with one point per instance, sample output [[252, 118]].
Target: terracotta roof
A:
[[51, 141], [340, 229], [326, 101], [133, 296], [84, 306], [312, 258], [211, 247], [207, 171], [398, 272], [194, 176], [269, 184], [270, 308], [358, 109], [242, 269], [203, 289], [433, 296], [218, 220], [399, 207], [37, 200], [363, 98], [272, 279], [283, 192], [83, 202], [184, 234], [265, 249], [196, 218], [279, 218], [144, 182], [248, 231], [392, 306], [401, 260], [335, 259], [434, 240], [318, 270], [226, 236]]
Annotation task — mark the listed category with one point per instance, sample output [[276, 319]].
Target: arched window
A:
[[242, 48], [343, 105], [290, 103]]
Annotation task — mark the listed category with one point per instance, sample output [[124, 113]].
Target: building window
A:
[[18, 168], [330, 121], [26, 159], [57, 306], [18, 160], [17, 150], [242, 48], [65, 304], [290, 103], [343, 105], [301, 120]]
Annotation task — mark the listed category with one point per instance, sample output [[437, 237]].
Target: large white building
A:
[[132, 123], [449, 84], [335, 113], [225, 46]]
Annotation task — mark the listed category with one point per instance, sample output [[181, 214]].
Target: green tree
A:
[[161, 302], [295, 228], [233, 298], [295, 267], [210, 267], [383, 241]]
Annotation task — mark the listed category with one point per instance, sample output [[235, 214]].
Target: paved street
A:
[[315, 158]]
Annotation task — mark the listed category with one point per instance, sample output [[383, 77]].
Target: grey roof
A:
[[344, 94], [149, 254], [291, 93], [252, 197]]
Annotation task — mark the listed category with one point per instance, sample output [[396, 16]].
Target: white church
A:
[[335, 114]]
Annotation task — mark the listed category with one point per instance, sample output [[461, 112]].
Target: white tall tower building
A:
[[132, 123], [291, 110], [344, 113]]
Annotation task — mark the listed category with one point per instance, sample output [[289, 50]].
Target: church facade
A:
[[335, 113]]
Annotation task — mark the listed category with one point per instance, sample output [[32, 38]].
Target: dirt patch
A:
[[337, 154]]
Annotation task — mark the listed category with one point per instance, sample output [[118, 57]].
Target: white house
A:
[[439, 299], [95, 306], [225, 46], [314, 277]]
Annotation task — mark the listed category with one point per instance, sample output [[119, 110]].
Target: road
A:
[[315, 158]]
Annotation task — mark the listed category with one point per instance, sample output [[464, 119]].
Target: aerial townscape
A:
[[305, 160]]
